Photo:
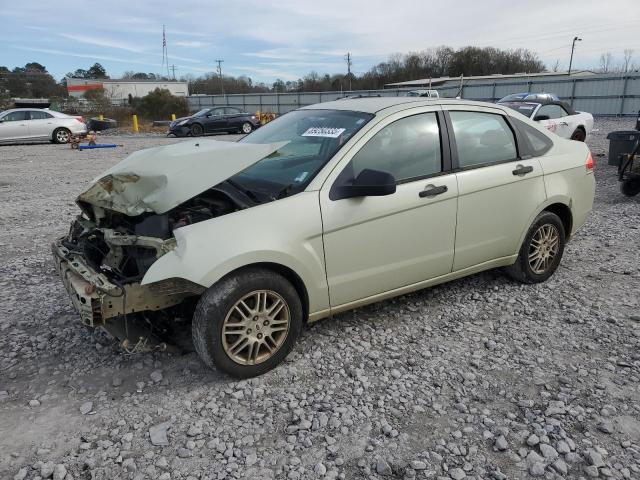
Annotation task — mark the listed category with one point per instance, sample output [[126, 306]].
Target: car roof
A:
[[377, 104]]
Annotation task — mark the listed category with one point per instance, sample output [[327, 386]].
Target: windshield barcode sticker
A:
[[324, 132]]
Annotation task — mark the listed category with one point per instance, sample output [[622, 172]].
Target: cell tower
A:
[[165, 52]]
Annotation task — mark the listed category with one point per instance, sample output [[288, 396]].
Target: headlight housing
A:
[[182, 122]]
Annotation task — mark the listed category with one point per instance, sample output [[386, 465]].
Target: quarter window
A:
[[539, 142], [482, 138], [407, 148]]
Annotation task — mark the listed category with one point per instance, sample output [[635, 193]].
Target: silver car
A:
[[39, 124]]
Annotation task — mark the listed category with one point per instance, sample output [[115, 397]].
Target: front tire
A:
[[247, 323], [541, 251], [197, 130], [61, 135]]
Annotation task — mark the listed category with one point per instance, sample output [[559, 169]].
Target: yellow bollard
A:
[[173, 117], [101, 117], [135, 123]]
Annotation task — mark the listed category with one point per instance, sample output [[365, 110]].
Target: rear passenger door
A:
[[41, 124], [499, 188]]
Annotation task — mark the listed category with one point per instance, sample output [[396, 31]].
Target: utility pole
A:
[[220, 73], [573, 46], [349, 63], [173, 70]]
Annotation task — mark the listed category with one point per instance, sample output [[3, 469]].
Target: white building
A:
[[120, 90]]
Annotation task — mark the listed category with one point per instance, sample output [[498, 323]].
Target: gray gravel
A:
[[479, 378]]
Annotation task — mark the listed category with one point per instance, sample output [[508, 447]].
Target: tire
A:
[[61, 135], [220, 307], [246, 128], [630, 187], [524, 269], [197, 130], [579, 135]]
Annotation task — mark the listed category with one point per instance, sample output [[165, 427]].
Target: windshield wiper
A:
[[284, 191]]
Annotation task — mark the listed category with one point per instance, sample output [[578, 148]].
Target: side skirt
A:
[[498, 262]]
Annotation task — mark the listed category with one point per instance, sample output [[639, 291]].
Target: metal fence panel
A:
[[602, 94]]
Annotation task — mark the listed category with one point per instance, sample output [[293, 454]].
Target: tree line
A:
[[33, 80]]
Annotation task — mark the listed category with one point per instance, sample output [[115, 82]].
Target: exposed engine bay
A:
[[106, 254]]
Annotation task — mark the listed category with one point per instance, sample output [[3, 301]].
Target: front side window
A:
[[16, 116], [551, 111], [482, 138], [232, 111], [39, 115], [216, 111], [407, 148], [312, 137]]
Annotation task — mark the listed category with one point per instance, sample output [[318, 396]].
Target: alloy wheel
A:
[[62, 136], [256, 327], [246, 128], [543, 248]]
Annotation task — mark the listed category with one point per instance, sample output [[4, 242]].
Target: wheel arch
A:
[[285, 272], [563, 211]]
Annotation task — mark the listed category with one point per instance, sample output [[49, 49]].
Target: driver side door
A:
[[215, 120], [377, 244]]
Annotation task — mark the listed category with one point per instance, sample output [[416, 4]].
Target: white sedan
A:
[[557, 116], [20, 124]]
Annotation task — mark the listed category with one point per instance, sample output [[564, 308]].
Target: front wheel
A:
[[247, 323], [541, 251], [246, 127], [196, 130], [61, 135]]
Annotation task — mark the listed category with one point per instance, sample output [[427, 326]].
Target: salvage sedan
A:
[[214, 120], [327, 208], [554, 114]]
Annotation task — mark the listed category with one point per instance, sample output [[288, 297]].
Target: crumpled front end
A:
[[102, 269]]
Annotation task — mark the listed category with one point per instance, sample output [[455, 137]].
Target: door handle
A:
[[522, 170], [432, 191]]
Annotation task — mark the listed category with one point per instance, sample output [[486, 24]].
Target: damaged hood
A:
[[159, 179]]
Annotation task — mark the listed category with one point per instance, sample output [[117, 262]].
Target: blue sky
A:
[[286, 39]]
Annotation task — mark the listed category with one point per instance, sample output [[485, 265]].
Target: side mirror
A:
[[537, 118], [369, 183]]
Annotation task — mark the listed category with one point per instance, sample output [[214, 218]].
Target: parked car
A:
[[213, 120], [423, 93], [325, 209], [554, 114], [39, 124]]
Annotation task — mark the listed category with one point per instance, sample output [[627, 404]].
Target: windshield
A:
[[525, 109], [313, 137]]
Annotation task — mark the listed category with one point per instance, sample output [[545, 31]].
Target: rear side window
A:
[[407, 148], [539, 143], [482, 138], [39, 115], [551, 111]]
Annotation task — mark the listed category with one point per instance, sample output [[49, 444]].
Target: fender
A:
[[562, 199], [207, 251]]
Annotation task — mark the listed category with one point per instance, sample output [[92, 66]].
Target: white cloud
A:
[[190, 43], [103, 42]]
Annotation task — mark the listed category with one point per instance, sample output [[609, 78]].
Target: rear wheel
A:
[[541, 251], [579, 135], [196, 130], [61, 135], [246, 127], [247, 323]]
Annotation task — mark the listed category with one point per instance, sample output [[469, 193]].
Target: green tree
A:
[[160, 104]]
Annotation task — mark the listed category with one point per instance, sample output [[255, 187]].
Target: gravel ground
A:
[[478, 378]]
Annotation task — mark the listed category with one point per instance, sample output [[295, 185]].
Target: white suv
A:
[[39, 124]]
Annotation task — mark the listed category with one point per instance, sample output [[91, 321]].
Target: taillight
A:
[[589, 163]]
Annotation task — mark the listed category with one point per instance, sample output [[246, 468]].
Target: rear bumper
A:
[[79, 129]]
